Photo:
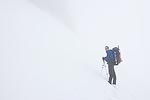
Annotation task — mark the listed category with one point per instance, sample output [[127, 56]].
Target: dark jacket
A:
[[110, 58]]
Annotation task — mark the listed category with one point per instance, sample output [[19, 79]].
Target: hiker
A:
[[110, 59]]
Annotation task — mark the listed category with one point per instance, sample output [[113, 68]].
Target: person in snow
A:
[[110, 59]]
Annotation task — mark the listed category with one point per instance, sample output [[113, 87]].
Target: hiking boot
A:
[[114, 85]]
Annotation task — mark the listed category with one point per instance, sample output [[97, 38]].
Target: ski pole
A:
[[104, 66]]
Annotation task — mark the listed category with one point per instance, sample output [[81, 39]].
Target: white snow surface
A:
[[52, 49]]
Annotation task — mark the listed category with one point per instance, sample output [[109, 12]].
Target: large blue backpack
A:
[[117, 55]]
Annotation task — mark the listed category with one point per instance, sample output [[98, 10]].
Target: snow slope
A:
[[45, 57]]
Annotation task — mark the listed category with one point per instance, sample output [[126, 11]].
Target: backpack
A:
[[117, 55]]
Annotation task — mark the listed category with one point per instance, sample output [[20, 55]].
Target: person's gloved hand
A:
[[103, 58]]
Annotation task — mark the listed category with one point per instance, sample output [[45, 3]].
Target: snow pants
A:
[[112, 74]]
